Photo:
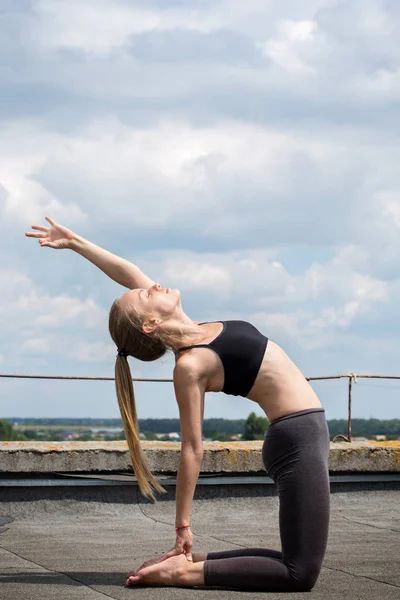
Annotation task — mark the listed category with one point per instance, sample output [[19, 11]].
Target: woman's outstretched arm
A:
[[119, 269]]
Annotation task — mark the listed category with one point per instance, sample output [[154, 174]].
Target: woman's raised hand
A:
[[56, 236]]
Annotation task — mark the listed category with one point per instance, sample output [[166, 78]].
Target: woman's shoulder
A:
[[187, 363]]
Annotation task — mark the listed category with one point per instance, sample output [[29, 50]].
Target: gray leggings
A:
[[295, 455]]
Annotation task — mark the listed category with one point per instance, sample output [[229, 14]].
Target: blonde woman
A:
[[235, 358]]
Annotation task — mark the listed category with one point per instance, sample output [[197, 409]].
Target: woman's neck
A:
[[185, 332]]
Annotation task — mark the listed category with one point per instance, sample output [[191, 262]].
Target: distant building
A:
[[173, 436]]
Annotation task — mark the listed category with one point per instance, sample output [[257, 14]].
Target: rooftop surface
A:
[[80, 546]]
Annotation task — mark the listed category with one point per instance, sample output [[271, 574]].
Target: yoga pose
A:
[[235, 358]]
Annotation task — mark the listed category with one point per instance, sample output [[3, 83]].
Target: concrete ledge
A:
[[232, 457]]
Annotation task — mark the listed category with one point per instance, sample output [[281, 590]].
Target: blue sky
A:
[[245, 153]]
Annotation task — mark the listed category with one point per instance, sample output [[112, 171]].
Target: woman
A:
[[233, 357]]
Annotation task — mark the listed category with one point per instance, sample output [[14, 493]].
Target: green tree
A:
[[85, 437], [8, 433], [210, 433], [149, 435], [221, 437], [255, 427]]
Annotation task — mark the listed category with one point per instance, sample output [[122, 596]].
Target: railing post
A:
[[349, 408], [343, 437]]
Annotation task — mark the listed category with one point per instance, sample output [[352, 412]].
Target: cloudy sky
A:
[[246, 153]]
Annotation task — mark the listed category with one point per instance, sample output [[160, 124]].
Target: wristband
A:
[[182, 527]]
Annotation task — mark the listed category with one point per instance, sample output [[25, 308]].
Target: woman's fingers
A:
[[188, 551], [35, 235], [52, 223], [44, 230], [40, 228]]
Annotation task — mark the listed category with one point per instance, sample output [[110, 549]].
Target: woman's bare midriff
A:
[[280, 388]]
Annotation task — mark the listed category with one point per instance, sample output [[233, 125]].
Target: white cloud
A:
[[327, 297], [339, 278], [390, 200], [197, 274], [104, 26], [337, 317], [311, 309], [249, 273], [310, 330], [214, 178], [93, 352], [293, 39], [40, 345], [49, 311], [34, 321], [24, 197], [65, 309]]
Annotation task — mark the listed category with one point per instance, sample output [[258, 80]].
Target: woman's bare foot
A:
[[166, 573], [175, 571], [147, 563], [153, 561]]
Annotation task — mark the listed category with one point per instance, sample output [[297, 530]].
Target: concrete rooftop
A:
[[79, 545]]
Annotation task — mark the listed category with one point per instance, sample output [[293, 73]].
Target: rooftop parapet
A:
[[219, 457]]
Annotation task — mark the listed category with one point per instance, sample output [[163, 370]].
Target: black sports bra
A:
[[241, 348]]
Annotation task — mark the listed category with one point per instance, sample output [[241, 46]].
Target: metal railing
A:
[[350, 376]]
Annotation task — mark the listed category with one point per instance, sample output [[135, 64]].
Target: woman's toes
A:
[[135, 579]]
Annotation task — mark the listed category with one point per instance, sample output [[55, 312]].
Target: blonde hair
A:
[[125, 325]]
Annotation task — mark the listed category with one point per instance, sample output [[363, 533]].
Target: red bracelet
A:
[[182, 527]]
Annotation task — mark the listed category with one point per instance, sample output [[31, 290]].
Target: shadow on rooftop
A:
[[66, 578]]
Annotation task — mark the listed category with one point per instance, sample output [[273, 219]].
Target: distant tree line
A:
[[366, 427], [65, 422], [8, 433], [252, 428], [155, 425]]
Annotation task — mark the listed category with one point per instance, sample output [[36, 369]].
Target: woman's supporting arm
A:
[[188, 474], [189, 391]]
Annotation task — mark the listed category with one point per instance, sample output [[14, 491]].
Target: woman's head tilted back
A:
[[135, 324]]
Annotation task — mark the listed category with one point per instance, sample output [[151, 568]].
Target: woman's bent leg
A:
[[304, 499], [244, 552], [295, 455]]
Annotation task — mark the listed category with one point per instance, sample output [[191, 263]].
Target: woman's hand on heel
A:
[[183, 544]]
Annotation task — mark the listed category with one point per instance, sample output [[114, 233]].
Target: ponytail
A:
[[147, 482]]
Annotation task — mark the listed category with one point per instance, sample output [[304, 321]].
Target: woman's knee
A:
[[305, 578]]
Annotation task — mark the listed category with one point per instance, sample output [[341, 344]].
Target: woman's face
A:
[[155, 302]]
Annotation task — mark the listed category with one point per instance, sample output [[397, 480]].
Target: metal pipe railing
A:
[[350, 376]]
